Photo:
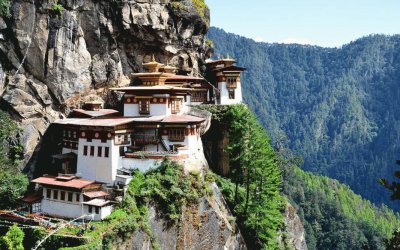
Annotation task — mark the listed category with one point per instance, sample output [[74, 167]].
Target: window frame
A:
[[176, 105], [176, 134], [106, 152], [70, 196], [62, 195], [48, 193], [144, 106], [99, 151], [231, 94]]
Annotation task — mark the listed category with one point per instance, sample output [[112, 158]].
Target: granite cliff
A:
[[53, 59]]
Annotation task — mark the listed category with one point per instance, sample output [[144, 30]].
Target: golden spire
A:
[[227, 56], [153, 59]]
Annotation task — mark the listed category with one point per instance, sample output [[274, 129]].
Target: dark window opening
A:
[[231, 94], [106, 152], [69, 196], [62, 196], [97, 210], [78, 198], [85, 150], [91, 150], [48, 193], [90, 209], [99, 151], [55, 194]]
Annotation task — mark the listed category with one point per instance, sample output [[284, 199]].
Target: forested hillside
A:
[[337, 108], [333, 216]]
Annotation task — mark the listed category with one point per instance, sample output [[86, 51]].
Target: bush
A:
[[5, 8]]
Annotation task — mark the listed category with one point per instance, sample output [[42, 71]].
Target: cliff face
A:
[[51, 61], [205, 225]]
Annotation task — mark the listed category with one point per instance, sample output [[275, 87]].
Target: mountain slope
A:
[[338, 108]]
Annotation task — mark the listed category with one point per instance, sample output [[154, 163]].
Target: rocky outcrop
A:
[[294, 229], [206, 225], [51, 60]]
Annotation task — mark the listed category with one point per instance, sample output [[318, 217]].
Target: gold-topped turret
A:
[[153, 65], [168, 69]]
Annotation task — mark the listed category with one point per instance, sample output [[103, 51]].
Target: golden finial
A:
[[227, 56], [153, 59]]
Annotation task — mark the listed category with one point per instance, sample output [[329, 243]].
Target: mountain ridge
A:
[[335, 106]]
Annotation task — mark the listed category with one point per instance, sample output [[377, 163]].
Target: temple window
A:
[[144, 106], [175, 106], [85, 150], [91, 150], [48, 193], [62, 196], [70, 196], [176, 134], [78, 198], [55, 194], [37, 207], [231, 82], [199, 96], [231, 93], [106, 152], [99, 151]]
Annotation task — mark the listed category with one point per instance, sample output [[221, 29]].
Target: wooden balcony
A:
[[231, 85], [139, 139]]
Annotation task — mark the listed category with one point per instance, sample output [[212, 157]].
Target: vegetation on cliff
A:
[[334, 216], [338, 107], [4, 8], [168, 187], [253, 187], [13, 183]]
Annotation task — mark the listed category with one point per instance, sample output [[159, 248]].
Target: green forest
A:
[[336, 107], [334, 217]]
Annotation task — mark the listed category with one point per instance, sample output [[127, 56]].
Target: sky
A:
[[317, 22]]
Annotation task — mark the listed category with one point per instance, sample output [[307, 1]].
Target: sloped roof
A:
[[98, 113], [52, 181], [182, 119], [230, 68], [98, 122]]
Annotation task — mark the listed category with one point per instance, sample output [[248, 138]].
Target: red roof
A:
[[182, 119], [32, 197], [98, 113], [52, 181], [99, 122], [95, 194]]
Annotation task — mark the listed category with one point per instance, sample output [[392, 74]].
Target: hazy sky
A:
[[318, 22]]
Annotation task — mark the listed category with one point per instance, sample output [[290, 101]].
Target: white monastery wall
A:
[[225, 94], [103, 169]]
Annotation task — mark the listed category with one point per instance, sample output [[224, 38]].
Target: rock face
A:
[[294, 229], [51, 60], [205, 225]]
